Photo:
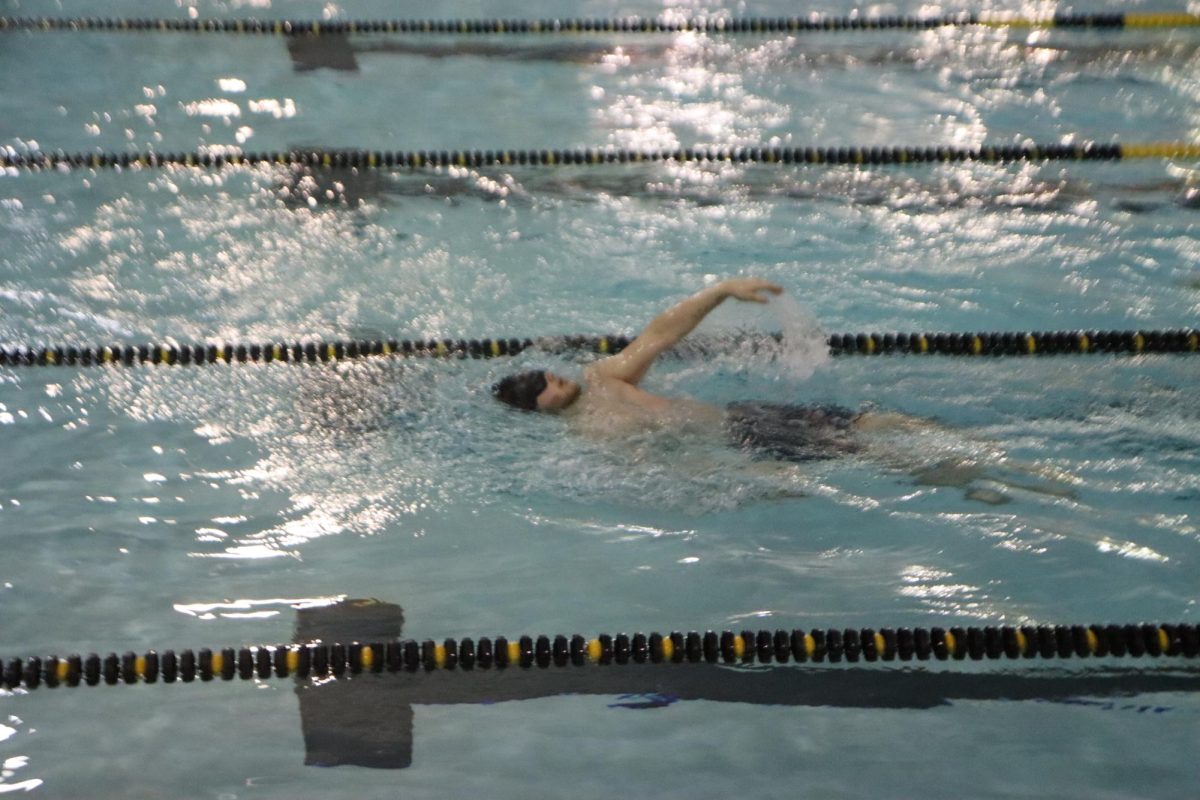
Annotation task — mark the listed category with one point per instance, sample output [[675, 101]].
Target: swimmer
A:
[[608, 400], [609, 403]]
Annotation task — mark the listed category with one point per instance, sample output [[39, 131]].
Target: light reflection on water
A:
[[241, 609], [380, 449], [360, 448], [123, 268], [226, 497]]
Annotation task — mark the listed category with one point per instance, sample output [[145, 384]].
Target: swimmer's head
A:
[[536, 390]]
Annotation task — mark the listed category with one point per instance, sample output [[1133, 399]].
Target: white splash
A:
[[803, 350]]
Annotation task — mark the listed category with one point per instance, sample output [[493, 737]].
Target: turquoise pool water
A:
[[170, 508]]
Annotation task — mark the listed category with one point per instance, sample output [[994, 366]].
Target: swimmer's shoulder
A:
[[604, 394]]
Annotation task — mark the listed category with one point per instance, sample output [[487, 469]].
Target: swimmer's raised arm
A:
[[668, 328]]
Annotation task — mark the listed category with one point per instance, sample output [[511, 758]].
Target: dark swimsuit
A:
[[792, 432]]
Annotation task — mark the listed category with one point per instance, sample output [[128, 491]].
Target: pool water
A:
[[155, 508]]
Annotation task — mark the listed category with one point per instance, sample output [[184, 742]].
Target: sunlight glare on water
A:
[[149, 507]]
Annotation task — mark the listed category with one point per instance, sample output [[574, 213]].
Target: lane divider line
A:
[[575, 26], [840, 155], [1179, 341], [747, 647]]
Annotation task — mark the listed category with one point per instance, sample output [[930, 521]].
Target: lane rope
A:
[[1036, 343], [747, 647], [419, 159], [699, 24]]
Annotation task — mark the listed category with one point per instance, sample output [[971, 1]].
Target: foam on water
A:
[[804, 349]]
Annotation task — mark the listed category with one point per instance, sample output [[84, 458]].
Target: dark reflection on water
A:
[[707, 186], [340, 52], [989, 55], [369, 720]]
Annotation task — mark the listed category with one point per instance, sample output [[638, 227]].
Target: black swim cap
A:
[[521, 390]]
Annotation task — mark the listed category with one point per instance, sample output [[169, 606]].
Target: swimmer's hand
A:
[[751, 290]]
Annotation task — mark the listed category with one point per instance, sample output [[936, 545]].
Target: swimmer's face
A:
[[558, 394]]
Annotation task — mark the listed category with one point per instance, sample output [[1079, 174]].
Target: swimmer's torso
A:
[[609, 409]]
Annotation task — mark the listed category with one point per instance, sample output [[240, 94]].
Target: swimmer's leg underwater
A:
[[783, 438], [964, 472]]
